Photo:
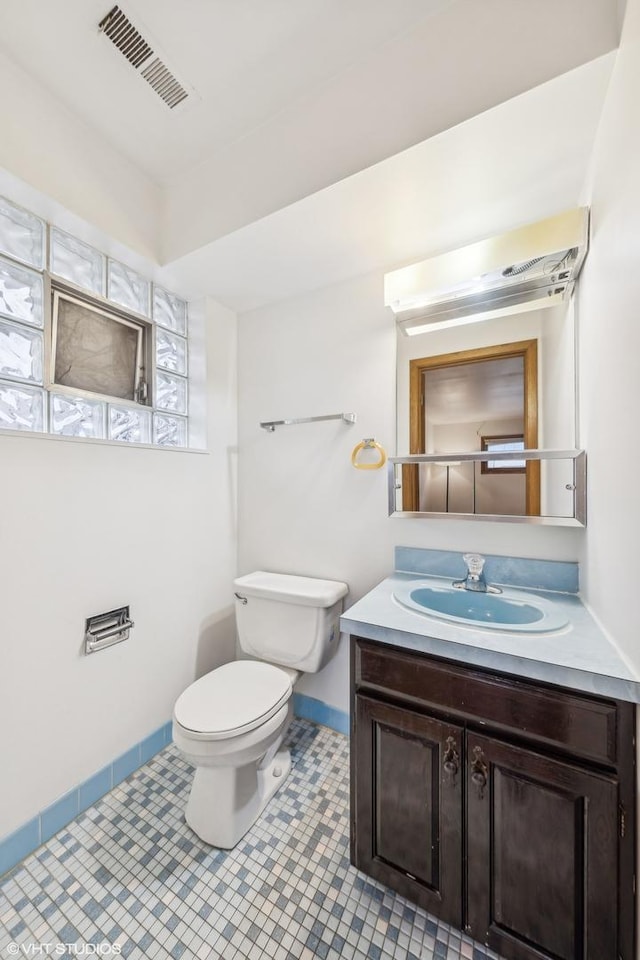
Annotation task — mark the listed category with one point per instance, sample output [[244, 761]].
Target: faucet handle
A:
[[474, 562]]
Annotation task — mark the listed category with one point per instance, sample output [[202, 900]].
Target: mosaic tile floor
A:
[[129, 877]]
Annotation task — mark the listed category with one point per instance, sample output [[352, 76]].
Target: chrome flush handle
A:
[[239, 597]]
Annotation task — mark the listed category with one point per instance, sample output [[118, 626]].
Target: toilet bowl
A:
[[230, 723]]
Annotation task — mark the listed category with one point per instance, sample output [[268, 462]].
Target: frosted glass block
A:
[[21, 407], [129, 424], [21, 352], [169, 431], [21, 294], [171, 393], [77, 417], [171, 352], [21, 234], [77, 261], [169, 311], [128, 288]]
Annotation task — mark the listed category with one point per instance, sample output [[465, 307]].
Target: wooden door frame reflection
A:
[[528, 350]]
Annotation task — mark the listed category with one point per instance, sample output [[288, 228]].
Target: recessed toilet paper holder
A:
[[105, 629]]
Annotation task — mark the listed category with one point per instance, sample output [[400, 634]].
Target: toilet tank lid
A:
[[288, 588]]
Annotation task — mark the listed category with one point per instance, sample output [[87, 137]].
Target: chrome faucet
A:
[[474, 579]]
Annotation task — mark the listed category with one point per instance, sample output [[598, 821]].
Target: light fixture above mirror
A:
[[529, 268]]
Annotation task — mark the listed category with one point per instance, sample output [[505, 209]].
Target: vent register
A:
[[142, 57]]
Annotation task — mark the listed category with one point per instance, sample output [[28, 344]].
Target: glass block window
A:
[[169, 311], [171, 393], [128, 288], [21, 352], [21, 294], [76, 261], [130, 424], [21, 407], [169, 431], [89, 347], [22, 234], [78, 417], [171, 352]]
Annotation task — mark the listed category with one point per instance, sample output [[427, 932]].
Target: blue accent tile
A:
[[125, 765], [68, 934], [20, 844], [558, 575], [58, 815], [94, 788], [311, 709], [229, 930], [152, 744], [168, 732], [93, 909]]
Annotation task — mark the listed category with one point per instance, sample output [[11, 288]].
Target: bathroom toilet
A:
[[230, 723]]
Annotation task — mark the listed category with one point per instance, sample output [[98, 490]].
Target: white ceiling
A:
[[524, 160], [330, 138], [247, 59]]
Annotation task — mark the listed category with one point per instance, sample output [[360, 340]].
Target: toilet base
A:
[[226, 801]]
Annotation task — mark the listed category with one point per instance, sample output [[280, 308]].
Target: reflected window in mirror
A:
[[502, 444]]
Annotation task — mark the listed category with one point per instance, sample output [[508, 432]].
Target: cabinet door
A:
[[407, 811], [542, 848]]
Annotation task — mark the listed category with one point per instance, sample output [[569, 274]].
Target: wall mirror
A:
[[498, 386]]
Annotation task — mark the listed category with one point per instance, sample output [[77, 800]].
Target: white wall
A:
[[52, 150], [302, 506], [87, 527], [609, 350]]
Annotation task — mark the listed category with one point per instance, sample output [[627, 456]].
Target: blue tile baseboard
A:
[[559, 575], [42, 827], [311, 709], [26, 839]]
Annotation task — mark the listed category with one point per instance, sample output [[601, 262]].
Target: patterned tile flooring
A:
[[129, 877]]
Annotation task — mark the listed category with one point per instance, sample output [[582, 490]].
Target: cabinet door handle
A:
[[479, 771], [451, 761]]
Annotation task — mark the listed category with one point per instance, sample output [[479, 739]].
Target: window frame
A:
[[104, 308], [504, 468]]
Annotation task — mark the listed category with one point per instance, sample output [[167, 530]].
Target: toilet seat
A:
[[232, 700]]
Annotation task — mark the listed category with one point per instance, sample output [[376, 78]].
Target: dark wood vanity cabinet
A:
[[503, 806]]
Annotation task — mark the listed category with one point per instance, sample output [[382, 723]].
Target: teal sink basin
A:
[[511, 610]]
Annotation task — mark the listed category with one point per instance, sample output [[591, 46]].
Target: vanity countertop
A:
[[580, 656]]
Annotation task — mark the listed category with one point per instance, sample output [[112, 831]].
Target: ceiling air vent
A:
[[164, 83], [142, 56]]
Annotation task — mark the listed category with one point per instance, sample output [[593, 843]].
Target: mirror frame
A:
[[579, 458]]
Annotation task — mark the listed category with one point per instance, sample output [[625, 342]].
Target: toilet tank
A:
[[289, 620]]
